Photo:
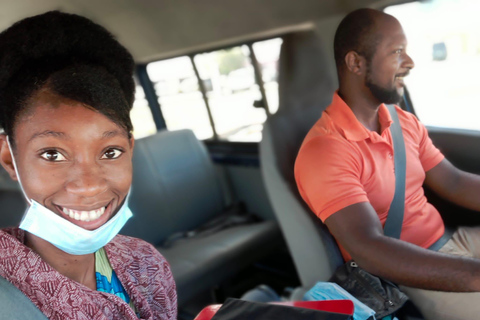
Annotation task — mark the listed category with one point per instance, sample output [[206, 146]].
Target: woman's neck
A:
[[80, 268]]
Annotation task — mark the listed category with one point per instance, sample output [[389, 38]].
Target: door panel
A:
[[462, 148]]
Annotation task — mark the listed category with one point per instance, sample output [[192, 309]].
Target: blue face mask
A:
[[63, 234]]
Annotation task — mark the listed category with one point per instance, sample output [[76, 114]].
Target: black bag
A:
[[234, 309], [381, 295]]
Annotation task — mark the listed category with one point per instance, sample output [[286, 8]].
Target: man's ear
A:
[[355, 63], [6, 159]]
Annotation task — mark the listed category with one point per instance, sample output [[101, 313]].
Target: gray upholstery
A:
[[12, 207], [15, 305], [176, 189], [306, 87], [175, 186], [199, 264], [12, 201]]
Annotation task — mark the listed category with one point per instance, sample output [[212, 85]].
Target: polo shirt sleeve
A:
[[327, 172], [429, 155]]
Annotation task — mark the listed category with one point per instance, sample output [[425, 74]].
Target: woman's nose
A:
[[86, 180]]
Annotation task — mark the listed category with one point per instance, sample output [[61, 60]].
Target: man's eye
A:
[[398, 51], [112, 154], [53, 155]]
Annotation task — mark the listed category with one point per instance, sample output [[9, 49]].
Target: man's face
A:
[[389, 64], [73, 160]]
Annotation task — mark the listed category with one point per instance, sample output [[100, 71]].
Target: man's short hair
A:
[[356, 32]]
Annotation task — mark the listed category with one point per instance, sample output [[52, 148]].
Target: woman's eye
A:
[[112, 154], [53, 156], [398, 51]]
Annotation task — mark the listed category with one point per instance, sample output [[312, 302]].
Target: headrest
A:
[[306, 77]]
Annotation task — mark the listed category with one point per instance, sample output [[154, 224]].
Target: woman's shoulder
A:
[[131, 244], [11, 235], [133, 250]]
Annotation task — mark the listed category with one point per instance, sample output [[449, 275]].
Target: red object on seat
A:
[[337, 306], [208, 312]]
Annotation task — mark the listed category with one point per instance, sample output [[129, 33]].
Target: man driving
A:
[[345, 173]]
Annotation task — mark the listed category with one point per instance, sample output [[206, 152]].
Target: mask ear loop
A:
[[16, 171]]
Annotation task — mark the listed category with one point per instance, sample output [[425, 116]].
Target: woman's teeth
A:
[[84, 215]]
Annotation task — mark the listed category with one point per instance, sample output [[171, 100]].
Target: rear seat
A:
[[176, 188], [12, 202]]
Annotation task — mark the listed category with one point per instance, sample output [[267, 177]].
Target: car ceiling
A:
[[154, 29]]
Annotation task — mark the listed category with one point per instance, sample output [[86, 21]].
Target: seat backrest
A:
[[175, 186], [15, 305], [12, 201], [306, 87]]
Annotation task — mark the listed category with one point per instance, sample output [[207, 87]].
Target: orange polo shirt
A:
[[342, 163]]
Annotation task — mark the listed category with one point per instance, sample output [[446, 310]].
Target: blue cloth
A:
[[332, 291], [115, 287]]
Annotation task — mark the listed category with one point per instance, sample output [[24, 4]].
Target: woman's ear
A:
[[6, 159], [132, 143]]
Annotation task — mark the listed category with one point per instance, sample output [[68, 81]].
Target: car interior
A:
[[225, 212]]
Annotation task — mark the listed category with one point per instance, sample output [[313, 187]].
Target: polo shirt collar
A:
[[349, 126]]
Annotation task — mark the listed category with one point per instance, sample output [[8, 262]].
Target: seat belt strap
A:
[[393, 225]]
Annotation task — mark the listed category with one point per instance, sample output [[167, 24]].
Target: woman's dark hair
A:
[[69, 55]]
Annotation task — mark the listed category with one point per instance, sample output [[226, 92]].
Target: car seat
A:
[[306, 87], [179, 204]]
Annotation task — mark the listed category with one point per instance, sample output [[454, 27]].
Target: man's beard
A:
[[381, 94]]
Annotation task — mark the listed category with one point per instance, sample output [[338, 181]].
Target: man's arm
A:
[[455, 185], [358, 229]]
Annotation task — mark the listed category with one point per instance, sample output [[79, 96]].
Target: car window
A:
[[141, 115], [179, 96], [444, 41], [224, 94]]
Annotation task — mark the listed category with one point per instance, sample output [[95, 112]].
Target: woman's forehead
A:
[[65, 120]]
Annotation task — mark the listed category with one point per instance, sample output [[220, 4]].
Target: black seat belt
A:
[[393, 225]]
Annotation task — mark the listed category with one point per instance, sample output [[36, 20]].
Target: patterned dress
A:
[[144, 273]]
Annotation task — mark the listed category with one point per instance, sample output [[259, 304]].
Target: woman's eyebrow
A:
[[49, 133], [112, 133]]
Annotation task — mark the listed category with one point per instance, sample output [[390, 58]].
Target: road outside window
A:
[[444, 42]]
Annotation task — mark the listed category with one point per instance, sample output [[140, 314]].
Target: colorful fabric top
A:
[[342, 163], [106, 278], [143, 272]]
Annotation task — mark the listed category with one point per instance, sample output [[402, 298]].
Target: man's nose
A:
[[86, 180], [408, 62]]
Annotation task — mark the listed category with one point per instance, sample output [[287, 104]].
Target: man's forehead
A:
[[388, 29]]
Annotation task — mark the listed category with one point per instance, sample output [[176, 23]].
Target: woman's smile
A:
[[87, 218]]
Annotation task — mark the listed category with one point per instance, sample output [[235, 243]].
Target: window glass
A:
[[229, 80], [180, 99], [141, 115], [267, 54], [444, 42]]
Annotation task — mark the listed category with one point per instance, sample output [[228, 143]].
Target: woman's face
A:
[[71, 159]]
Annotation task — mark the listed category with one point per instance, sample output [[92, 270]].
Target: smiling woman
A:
[[66, 90]]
